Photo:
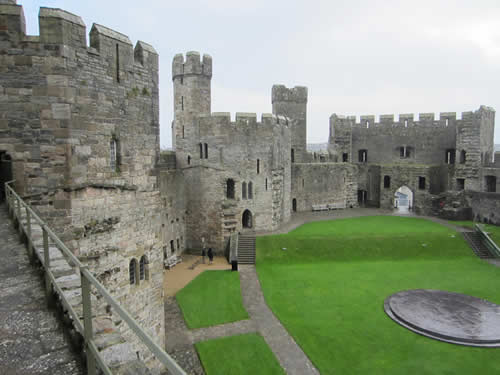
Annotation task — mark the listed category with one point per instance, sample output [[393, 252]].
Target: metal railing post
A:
[[46, 259], [87, 322], [18, 214], [28, 234]]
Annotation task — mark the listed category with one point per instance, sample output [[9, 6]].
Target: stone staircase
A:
[[475, 242], [246, 248]]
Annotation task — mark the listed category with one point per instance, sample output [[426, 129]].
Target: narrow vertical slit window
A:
[[182, 103], [183, 132], [201, 150], [243, 190], [258, 166], [250, 190], [117, 63], [206, 151], [293, 155], [266, 184], [113, 162], [131, 271]]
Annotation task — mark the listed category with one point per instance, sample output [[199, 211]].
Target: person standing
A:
[[210, 255]]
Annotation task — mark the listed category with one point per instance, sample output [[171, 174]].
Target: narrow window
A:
[[143, 265], [406, 123], [491, 184], [258, 166], [230, 188], [183, 132], [266, 184], [302, 183], [113, 154], [189, 160], [182, 80], [367, 123], [206, 151], [178, 244], [404, 152], [250, 190], [172, 247], [463, 157], [131, 271], [450, 156], [345, 157], [363, 156], [182, 103], [201, 150], [117, 63], [460, 183], [243, 190], [387, 182], [293, 156], [447, 122], [421, 183]]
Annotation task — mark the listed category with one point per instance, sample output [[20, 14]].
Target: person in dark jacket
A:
[[210, 255]]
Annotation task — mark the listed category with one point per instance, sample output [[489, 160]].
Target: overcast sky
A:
[[356, 57]]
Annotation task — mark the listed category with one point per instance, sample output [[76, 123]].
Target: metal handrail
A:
[[488, 242], [87, 281]]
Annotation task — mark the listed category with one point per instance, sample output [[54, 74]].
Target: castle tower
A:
[[292, 103], [192, 97]]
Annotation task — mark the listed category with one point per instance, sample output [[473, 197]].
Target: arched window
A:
[[230, 188], [250, 190], [132, 269], [243, 190], [143, 268]]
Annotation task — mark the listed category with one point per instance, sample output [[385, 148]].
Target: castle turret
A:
[[292, 103], [192, 97]]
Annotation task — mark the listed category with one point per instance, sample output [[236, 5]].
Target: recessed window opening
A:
[[491, 184], [460, 183], [258, 166], [303, 182], [132, 269], [206, 151], [463, 157], [406, 123], [143, 268], [367, 123], [294, 205], [117, 63], [266, 184], [421, 183], [182, 103], [113, 154], [404, 152], [189, 160], [450, 156], [447, 122], [363, 156], [293, 155], [250, 190], [182, 80], [387, 182], [183, 131], [201, 150], [178, 244], [345, 157], [172, 247], [230, 188], [243, 190]]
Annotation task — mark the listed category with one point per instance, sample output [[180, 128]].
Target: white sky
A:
[[356, 56]]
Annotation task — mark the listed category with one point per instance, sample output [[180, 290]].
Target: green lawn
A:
[[493, 230], [242, 354], [212, 298], [329, 285]]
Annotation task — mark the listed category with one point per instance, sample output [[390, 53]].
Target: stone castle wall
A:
[[62, 104], [324, 183]]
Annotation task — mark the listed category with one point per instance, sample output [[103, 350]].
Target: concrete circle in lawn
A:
[[451, 317]]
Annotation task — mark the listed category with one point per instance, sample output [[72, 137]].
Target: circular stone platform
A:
[[446, 316]]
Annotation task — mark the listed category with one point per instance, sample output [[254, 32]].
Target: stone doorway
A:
[[247, 219], [403, 199], [5, 172]]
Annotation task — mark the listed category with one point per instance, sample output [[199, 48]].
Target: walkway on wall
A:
[[31, 336]]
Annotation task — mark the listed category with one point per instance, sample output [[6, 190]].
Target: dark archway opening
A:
[[5, 172], [247, 219], [294, 205]]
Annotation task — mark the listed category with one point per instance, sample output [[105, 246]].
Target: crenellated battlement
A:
[[57, 26], [192, 64], [243, 119], [281, 93], [404, 120]]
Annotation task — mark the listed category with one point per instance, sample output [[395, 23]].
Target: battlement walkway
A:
[[31, 337]]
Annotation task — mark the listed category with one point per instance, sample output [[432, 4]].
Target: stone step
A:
[[475, 242]]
